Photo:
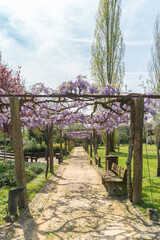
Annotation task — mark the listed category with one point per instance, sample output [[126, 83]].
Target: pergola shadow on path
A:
[[74, 205]]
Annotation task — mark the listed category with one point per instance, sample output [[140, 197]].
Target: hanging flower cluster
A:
[[101, 114]]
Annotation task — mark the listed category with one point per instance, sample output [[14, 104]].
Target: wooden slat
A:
[[118, 170], [7, 156], [111, 177]]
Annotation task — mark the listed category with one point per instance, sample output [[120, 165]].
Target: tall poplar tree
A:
[[154, 64], [108, 48], [154, 80]]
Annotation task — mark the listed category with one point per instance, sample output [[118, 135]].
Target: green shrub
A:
[[9, 149], [30, 175], [37, 169], [35, 148], [57, 149], [8, 178], [5, 166], [7, 173]]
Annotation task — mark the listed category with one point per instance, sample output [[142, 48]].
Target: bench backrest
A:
[[119, 171]]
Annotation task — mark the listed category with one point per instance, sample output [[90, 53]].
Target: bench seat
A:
[[116, 176]]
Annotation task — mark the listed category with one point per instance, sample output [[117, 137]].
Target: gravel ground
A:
[[75, 205]]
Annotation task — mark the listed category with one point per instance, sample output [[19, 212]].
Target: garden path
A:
[[79, 208]]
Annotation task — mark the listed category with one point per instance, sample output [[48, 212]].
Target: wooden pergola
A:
[[136, 135]]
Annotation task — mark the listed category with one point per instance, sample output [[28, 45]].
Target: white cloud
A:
[[138, 43], [131, 9], [52, 38]]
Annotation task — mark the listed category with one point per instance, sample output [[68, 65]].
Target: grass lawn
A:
[[155, 181], [32, 188]]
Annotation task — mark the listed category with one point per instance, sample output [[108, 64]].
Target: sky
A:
[[52, 39]]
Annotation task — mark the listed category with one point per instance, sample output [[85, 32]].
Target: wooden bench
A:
[[30, 157], [33, 156], [98, 160], [116, 176], [10, 156]]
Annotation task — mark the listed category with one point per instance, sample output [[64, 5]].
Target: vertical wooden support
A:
[[95, 142], [107, 149], [65, 144], [130, 150], [69, 144], [18, 150], [4, 146], [47, 150], [138, 147], [51, 153], [87, 149], [91, 145], [61, 149], [158, 157]]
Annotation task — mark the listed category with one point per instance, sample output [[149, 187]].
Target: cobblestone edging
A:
[[28, 216]]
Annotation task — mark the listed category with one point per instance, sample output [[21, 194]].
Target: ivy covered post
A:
[[18, 150], [138, 148], [51, 151]]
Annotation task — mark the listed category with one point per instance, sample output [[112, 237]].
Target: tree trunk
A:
[[18, 150], [130, 151], [107, 148], [51, 151], [138, 147]]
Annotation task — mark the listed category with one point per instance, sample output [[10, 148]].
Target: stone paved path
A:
[[78, 208]]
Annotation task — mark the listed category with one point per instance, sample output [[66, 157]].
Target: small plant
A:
[[33, 147]]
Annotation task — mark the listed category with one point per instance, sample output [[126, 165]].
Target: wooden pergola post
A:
[[130, 151], [95, 142], [91, 145], [87, 149], [61, 149], [51, 151], [65, 144], [138, 150], [18, 150], [158, 156], [107, 148]]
